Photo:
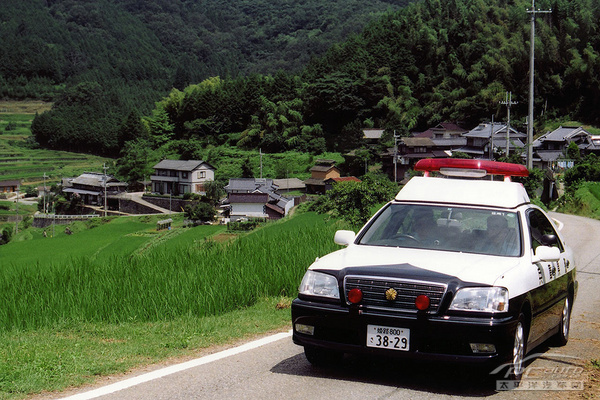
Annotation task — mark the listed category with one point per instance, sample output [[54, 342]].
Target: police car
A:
[[457, 267]]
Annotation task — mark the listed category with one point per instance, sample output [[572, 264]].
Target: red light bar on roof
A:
[[474, 168]]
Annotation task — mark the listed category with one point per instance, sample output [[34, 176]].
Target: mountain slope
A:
[[166, 42]]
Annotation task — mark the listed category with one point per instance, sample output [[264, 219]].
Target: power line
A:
[[533, 13]]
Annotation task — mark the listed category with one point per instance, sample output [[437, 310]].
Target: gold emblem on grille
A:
[[391, 294]]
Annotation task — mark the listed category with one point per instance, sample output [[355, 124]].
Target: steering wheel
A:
[[406, 236]]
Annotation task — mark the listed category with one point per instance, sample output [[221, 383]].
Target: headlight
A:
[[319, 284], [484, 299]]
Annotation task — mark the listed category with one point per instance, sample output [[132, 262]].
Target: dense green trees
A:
[[135, 51], [410, 69], [354, 201]]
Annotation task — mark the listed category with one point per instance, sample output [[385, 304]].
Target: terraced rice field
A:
[[21, 160]]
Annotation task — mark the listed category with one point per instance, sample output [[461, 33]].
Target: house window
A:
[[201, 174], [184, 175]]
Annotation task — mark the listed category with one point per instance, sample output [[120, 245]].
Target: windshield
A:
[[470, 230]]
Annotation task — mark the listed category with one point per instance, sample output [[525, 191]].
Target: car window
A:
[[541, 230], [461, 229]]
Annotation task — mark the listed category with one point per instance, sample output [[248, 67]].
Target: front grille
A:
[[374, 288]]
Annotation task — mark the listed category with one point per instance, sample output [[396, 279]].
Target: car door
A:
[[547, 297]]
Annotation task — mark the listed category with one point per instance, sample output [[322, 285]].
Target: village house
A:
[[177, 177], [488, 137], [446, 136], [289, 185], [91, 187], [410, 150], [255, 198], [250, 185], [372, 136], [550, 149], [11, 186], [438, 141], [323, 170]]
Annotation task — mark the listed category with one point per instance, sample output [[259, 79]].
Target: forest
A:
[[406, 70], [127, 54]]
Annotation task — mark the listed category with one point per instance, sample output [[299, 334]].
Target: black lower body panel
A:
[[344, 330]]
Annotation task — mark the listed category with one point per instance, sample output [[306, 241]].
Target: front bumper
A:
[[442, 338]]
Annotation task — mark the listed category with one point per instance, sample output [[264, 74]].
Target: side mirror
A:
[[344, 238], [545, 253]]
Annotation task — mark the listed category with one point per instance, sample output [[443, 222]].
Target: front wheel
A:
[[519, 350]]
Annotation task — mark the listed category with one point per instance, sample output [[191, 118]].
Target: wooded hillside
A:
[[166, 43], [431, 61], [103, 59]]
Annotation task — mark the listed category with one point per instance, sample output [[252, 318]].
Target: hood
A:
[[468, 267]]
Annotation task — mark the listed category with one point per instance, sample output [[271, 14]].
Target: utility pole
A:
[[104, 167], [508, 102], [17, 224], [44, 195], [260, 153], [533, 13], [395, 157]]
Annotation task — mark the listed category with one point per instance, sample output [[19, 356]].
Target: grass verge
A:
[[73, 354], [585, 201], [117, 296]]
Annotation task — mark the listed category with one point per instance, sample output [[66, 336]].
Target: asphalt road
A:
[[278, 369]]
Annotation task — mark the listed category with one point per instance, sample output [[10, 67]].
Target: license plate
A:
[[388, 337]]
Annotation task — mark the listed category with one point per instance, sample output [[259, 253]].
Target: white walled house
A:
[[255, 198], [244, 205], [177, 177]]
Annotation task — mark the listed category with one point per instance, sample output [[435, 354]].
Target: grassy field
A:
[[585, 201], [24, 107], [120, 294], [20, 160], [94, 239]]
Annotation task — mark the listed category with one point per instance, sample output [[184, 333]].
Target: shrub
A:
[[6, 234], [200, 212], [353, 201], [245, 225]]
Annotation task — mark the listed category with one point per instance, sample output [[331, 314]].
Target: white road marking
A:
[[177, 368]]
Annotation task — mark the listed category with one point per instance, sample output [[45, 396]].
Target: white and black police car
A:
[[457, 268]]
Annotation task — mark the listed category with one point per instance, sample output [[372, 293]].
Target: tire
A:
[[562, 337], [322, 357], [519, 350]]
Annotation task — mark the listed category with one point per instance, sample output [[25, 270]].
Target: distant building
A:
[[443, 130], [250, 185], [410, 150], [289, 185], [446, 136], [255, 198], [10, 186], [91, 187], [372, 136], [177, 177], [484, 137], [550, 149], [323, 170]]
